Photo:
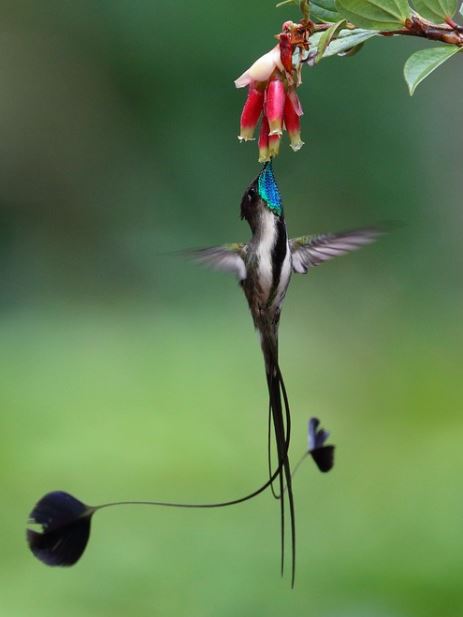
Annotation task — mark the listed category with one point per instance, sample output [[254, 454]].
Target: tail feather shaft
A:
[[282, 428]]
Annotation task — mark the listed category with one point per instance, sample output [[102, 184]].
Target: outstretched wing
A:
[[227, 258], [310, 251]]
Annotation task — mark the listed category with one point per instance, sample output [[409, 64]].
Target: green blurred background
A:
[[127, 373]]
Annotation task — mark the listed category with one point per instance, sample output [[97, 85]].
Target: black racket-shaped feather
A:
[[65, 531], [322, 455]]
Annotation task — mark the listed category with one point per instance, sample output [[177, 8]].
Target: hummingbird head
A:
[[261, 196]]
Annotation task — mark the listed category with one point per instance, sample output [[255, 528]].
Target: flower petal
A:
[[262, 68]]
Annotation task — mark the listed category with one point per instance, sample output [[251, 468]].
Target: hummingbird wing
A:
[[310, 251], [227, 258]]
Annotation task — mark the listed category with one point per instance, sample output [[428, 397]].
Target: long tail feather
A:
[[275, 404], [269, 450], [289, 481], [282, 437], [217, 504]]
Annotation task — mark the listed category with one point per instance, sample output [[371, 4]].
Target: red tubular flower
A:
[[272, 80], [264, 154], [251, 112], [275, 103], [292, 95], [274, 144], [293, 125]]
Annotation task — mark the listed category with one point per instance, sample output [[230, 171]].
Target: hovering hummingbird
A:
[[264, 267]]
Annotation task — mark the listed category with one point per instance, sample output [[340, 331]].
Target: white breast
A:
[[264, 251]]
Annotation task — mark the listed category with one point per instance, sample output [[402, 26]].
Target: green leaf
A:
[[324, 10], [327, 37], [352, 51], [461, 9], [436, 10], [380, 15], [346, 40], [423, 63]]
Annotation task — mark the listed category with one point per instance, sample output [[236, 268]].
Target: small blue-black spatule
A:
[[322, 455]]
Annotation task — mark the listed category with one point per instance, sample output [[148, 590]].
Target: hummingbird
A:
[[264, 266]]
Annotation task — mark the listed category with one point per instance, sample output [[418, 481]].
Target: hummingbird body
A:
[[264, 267], [267, 260], [268, 271], [267, 256]]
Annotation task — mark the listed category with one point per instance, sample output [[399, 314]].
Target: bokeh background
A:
[[128, 373]]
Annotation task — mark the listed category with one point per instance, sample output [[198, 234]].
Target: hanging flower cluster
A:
[[272, 81]]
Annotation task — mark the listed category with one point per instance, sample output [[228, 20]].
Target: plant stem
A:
[[416, 26]]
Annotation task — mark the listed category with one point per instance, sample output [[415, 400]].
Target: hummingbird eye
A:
[[252, 193]]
